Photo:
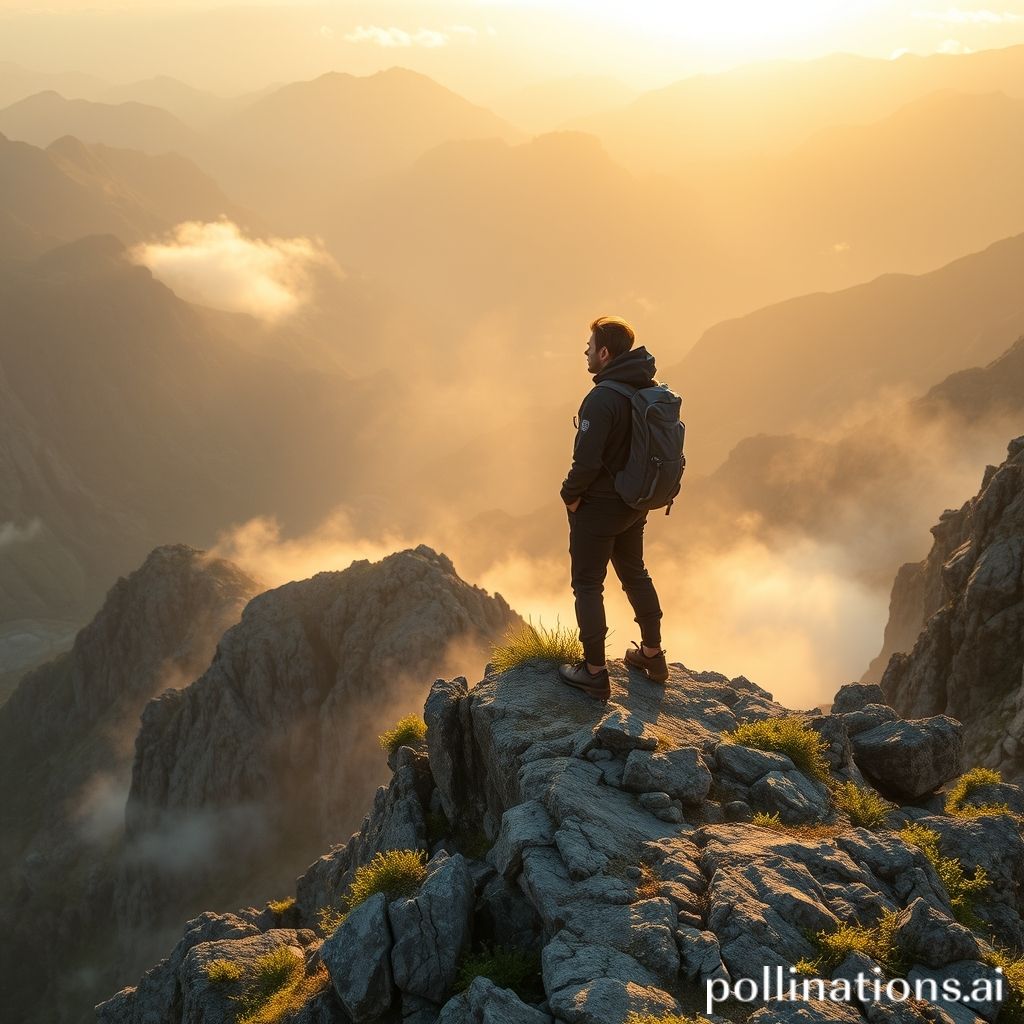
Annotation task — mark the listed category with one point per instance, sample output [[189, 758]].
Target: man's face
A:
[[597, 358]]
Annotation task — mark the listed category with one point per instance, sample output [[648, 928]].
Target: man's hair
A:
[[613, 333]]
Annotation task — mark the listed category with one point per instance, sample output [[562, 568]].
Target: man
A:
[[602, 526]]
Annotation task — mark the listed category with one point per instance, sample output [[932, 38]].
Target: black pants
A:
[[604, 529]]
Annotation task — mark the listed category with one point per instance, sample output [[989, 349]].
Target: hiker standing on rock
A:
[[611, 486]]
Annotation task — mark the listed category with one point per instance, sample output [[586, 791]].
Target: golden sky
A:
[[480, 47]]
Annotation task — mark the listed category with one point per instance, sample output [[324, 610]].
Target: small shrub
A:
[[329, 918], [962, 890], [516, 969], [525, 642], [664, 741], [786, 735], [1012, 1010], [864, 806], [281, 906], [876, 942], [965, 785], [397, 873], [278, 986], [649, 885], [407, 732], [222, 971], [764, 820]]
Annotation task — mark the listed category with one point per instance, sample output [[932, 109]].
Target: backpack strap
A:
[[617, 385]]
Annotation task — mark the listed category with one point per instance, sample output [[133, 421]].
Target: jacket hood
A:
[[635, 367]]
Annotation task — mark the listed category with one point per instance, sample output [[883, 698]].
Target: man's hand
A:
[[575, 505]]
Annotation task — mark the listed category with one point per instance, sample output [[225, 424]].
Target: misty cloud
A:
[[214, 264], [11, 533], [388, 37]]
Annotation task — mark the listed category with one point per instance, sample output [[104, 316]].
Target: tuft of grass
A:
[[664, 741], [1012, 1009], [279, 986], [648, 884], [785, 735], [876, 942], [864, 806], [965, 785], [962, 890], [526, 642], [222, 971], [667, 1018], [329, 919], [764, 820], [407, 732], [396, 873], [511, 968], [281, 906]]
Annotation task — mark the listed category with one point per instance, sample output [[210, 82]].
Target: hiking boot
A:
[[597, 686], [654, 667]]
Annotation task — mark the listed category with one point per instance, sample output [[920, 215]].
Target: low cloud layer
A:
[[214, 264]]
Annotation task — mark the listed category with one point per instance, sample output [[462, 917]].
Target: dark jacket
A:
[[605, 427]]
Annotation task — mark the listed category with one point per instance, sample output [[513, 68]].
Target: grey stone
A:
[[527, 824], [747, 764], [680, 773], [358, 958], [929, 937], [794, 797], [484, 1003], [854, 696], [431, 929], [910, 759]]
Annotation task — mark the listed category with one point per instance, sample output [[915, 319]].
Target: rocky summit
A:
[[541, 857], [955, 640]]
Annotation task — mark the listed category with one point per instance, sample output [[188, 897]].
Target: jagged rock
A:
[[838, 751], [645, 930], [738, 810], [911, 759], [967, 973], [278, 736], [996, 793], [797, 1012], [211, 1002], [854, 696], [157, 997], [747, 764], [358, 958], [868, 717], [995, 844], [793, 796], [594, 984], [700, 957], [504, 917], [526, 824], [432, 928], [929, 937], [966, 600], [580, 858], [680, 773], [484, 1003], [65, 756], [451, 758]]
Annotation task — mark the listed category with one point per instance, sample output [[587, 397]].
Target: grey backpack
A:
[[653, 472]]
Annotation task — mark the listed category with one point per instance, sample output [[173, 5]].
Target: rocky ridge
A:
[[617, 844], [955, 639], [66, 753]]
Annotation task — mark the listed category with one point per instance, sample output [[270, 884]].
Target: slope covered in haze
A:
[[802, 364], [66, 745], [770, 106], [46, 116], [967, 597], [130, 416]]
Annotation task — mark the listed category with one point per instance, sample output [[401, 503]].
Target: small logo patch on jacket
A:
[[584, 425]]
